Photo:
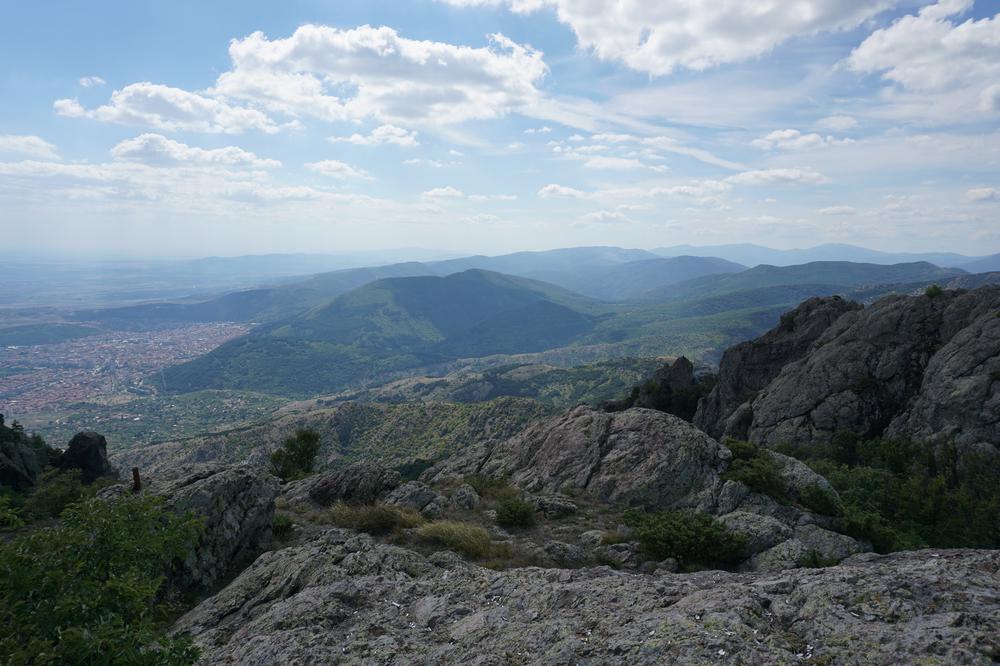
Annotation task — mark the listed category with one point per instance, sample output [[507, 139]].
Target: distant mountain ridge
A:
[[754, 255]]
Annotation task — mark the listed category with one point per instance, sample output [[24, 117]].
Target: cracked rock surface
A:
[[344, 598]]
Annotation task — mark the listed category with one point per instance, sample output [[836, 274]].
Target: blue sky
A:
[[192, 128]]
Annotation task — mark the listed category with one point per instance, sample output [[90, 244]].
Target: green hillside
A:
[[44, 334]]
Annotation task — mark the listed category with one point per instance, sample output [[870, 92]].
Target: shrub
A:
[[813, 560], [469, 540], [515, 513], [757, 469], [821, 501], [297, 456], [374, 518], [934, 291], [83, 592], [281, 526], [492, 489], [10, 518], [690, 537], [58, 489]]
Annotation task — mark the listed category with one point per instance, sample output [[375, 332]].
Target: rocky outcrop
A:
[[20, 464], [343, 598], [87, 452], [919, 367], [750, 366], [237, 505], [360, 483], [652, 460], [638, 457]]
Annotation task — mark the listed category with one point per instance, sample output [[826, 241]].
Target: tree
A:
[[297, 456]]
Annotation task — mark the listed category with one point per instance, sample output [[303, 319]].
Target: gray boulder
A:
[[419, 497], [87, 452], [20, 465], [343, 598], [465, 497], [361, 483], [638, 457], [237, 505]]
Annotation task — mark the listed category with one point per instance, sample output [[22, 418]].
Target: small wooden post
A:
[[136, 480]]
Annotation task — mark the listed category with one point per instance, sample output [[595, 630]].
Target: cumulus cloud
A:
[[339, 170], [659, 37], [381, 135], [157, 149], [367, 72], [170, 109], [793, 139], [446, 192], [553, 190], [981, 194], [606, 217], [838, 210], [778, 176], [538, 130], [92, 81], [936, 60], [28, 146]]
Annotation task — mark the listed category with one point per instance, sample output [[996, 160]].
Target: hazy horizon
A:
[[492, 126]]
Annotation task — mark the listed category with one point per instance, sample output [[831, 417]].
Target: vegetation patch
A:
[[515, 513], [757, 469], [488, 488], [374, 518], [85, 591], [694, 539], [297, 456], [468, 540], [900, 495]]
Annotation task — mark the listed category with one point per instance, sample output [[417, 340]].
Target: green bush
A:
[[374, 518], [56, 490], [281, 526], [84, 591], [813, 560], [469, 540], [756, 468], [692, 538], [492, 489], [933, 291], [819, 500], [10, 517], [515, 513], [297, 456]]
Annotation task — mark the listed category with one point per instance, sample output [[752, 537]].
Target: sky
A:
[[189, 128]]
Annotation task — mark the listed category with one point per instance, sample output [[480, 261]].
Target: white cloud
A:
[[778, 176], [29, 146], [981, 194], [658, 37], [92, 81], [156, 149], [605, 217], [938, 67], [171, 109], [382, 134], [367, 72], [793, 139], [553, 190], [446, 192], [837, 123], [538, 130], [613, 163], [419, 161], [456, 153], [339, 170], [838, 210]]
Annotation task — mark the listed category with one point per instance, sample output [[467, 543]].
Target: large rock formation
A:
[[638, 457], [342, 598], [750, 366], [649, 459], [921, 367], [87, 452], [237, 505], [360, 483], [20, 464]]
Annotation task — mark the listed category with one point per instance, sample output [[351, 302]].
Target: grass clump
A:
[[465, 539], [281, 526], [515, 513], [757, 469], [374, 518], [692, 538], [814, 560], [85, 591], [490, 489]]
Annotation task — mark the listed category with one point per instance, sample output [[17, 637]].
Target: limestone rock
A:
[[237, 505], [342, 598], [19, 465], [419, 497], [465, 497]]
